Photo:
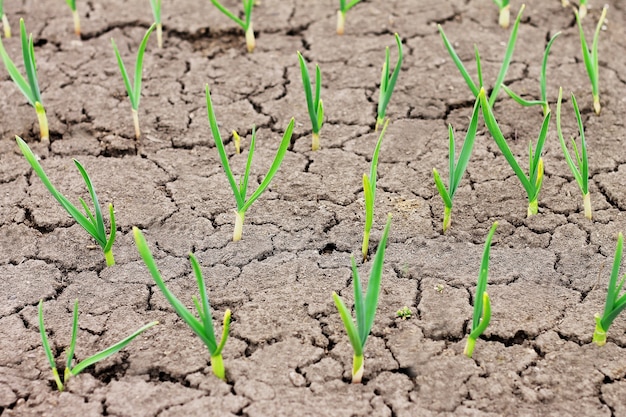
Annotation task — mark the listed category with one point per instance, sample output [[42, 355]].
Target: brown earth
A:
[[288, 354]]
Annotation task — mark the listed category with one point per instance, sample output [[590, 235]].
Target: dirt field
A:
[[288, 354]]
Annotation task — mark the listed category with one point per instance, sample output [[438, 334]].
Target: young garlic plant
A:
[[591, 58], [580, 173], [29, 86], [532, 182], [93, 223], [156, 12], [614, 304], [134, 90], [482, 304], [388, 83], [344, 6], [72, 4], [369, 192], [240, 189], [457, 169], [508, 55], [314, 104], [5, 21], [365, 309], [79, 367], [504, 18], [246, 24], [542, 83], [202, 327]]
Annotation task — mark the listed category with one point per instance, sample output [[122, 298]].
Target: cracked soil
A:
[[288, 354]]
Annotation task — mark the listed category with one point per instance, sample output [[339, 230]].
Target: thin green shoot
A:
[[240, 189], [156, 12], [80, 366], [580, 168], [314, 103], [134, 90], [365, 309], [457, 169], [582, 8], [203, 327], [72, 4], [29, 86], [532, 182], [614, 303], [508, 55], [388, 83], [5, 21], [245, 24], [542, 83], [344, 6], [504, 18], [93, 223], [591, 57], [482, 304], [369, 192]]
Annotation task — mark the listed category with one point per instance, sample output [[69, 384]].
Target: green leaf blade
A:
[[110, 350], [278, 159]]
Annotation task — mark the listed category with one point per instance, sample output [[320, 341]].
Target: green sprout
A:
[[72, 4], [542, 83], [404, 313], [134, 91], [581, 173], [246, 24], [387, 83], [156, 12], [5, 21], [591, 57], [344, 6], [457, 170], [614, 305], [314, 104], [29, 88], [482, 304], [532, 182], [240, 189], [508, 55], [369, 193], [365, 309], [75, 370], [582, 8], [505, 13], [203, 327], [93, 223]]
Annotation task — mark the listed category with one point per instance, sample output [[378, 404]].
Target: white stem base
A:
[[505, 17], [250, 40], [587, 205], [239, 217], [136, 123], [76, 23], [7, 27], [341, 21]]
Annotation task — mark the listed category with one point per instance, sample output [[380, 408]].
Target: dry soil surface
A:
[[288, 354]]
